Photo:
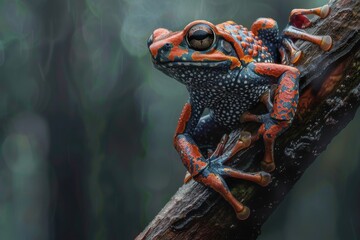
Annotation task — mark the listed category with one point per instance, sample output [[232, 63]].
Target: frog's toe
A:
[[326, 43], [267, 166], [295, 57], [187, 177], [265, 179], [243, 214], [324, 11], [246, 137]]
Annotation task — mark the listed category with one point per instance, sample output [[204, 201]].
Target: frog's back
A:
[[252, 48]]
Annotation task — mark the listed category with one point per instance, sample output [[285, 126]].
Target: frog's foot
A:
[[212, 179], [299, 21], [211, 154], [213, 176]]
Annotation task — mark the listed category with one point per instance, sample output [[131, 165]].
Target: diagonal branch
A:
[[330, 95]]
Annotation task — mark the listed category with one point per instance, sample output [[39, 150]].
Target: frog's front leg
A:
[[210, 171], [284, 108]]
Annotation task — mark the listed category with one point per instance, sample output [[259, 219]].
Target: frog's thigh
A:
[[287, 93]]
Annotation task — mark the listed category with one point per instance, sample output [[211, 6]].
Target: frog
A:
[[228, 69]]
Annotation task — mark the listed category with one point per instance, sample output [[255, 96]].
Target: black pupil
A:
[[200, 35]]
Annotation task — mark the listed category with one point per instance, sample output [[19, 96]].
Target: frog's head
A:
[[199, 53]]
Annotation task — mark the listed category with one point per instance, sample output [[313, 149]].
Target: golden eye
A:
[[200, 37]]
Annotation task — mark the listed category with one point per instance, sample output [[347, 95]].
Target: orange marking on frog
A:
[[177, 52], [216, 56], [247, 59], [244, 44], [262, 23], [190, 156], [274, 70], [229, 38], [184, 118], [174, 38], [249, 39]]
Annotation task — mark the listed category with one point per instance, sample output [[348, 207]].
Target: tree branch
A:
[[330, 95]]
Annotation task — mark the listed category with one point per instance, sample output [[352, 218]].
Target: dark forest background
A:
[[87, 123]]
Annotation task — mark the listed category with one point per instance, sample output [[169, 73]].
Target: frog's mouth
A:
[[203, 64]]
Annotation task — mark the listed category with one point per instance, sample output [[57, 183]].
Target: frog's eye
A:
[[200, 37]]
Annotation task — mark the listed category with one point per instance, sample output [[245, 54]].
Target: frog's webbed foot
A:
[[269, 130], [243, 142], [216, 171], [213, 175], [298, 21], [218, 151]]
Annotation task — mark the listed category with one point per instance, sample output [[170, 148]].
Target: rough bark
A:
[[330, 95]]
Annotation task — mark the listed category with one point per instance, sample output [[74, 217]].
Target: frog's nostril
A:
[[150, 40], [167, 46]]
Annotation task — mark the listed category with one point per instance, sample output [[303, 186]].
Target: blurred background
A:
[[87, 123]]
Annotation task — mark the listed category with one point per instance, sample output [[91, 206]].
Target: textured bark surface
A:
[[330, 95]]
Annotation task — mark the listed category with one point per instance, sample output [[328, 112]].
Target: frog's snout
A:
[[158, 34], [158, 41]]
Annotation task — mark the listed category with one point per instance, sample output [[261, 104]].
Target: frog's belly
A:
[[227, 112]]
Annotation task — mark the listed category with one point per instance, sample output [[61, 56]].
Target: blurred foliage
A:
[[87, 123]]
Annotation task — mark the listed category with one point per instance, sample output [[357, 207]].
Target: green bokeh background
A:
[[87, 123]]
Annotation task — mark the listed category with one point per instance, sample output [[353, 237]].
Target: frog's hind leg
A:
[[299, 21], [284, 107]]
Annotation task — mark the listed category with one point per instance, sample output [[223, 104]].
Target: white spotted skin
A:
[[226, 93]]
